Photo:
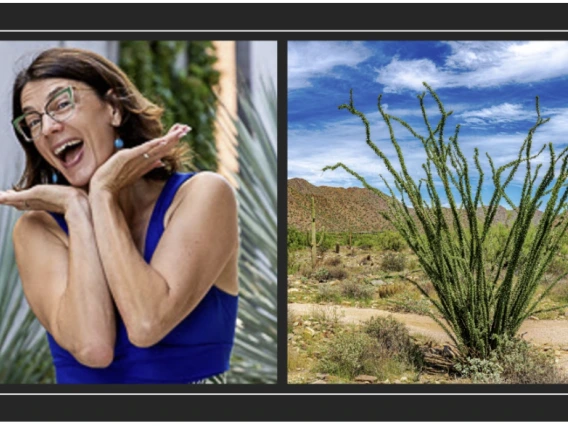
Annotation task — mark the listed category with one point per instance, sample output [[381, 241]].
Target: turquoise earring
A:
[[54, 177], [118, 143]]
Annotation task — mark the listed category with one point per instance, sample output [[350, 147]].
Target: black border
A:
[[294, 407], [284, 402], [284, 17]]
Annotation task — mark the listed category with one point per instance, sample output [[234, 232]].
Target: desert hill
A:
[[346, 209]]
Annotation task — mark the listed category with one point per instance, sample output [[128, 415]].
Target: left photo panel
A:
[[138, 218]]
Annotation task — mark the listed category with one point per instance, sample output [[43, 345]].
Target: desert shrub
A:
[[328, 316], [332, 261], [558, 266], [305, 270], [349, 354], [357, 290], [337, 273], [393, 262], [364, 241], [404, 302], [355, 351], [524, 365], [480, 370], [293, 267], [412, 264], [393, 338], [560, 292], [322, 249], [515, 361], [391, 240], [295, 263], [296, 239], [328, 293], [321, 275]]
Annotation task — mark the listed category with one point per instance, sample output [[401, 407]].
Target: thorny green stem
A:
[[478, 303]]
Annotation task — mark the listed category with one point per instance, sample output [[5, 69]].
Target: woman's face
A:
[[77, 146]]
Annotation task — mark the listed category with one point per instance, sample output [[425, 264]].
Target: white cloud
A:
[[479, 64], [311, 59], [344, 141], [403, 75], [497, 114]]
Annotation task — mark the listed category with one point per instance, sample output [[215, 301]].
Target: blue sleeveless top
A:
[[197, 348]]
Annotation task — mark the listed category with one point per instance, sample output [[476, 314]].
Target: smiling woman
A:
[[110, 220]]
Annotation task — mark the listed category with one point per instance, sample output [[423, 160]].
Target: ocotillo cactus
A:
[[453, 244], [314, 244]]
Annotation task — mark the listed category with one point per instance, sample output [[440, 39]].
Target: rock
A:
[[322, 376], [533, 318], [293, 290], [404, 379], [397, 382], [290, 336], [365, 378], [310, 330], [378, 282], [319, 382], [449, 352], [387, 382]]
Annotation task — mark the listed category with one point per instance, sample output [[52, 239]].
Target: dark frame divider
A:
[[283, 22]]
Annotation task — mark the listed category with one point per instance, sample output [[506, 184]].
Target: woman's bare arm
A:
[[64, 282], [199, 242]]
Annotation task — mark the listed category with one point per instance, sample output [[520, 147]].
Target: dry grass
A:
[[357, 290], [328, 293], [389, 290], [333, 261]]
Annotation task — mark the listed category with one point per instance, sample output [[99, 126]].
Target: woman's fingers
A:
[[19, 200], [159, 147], [179, 126]]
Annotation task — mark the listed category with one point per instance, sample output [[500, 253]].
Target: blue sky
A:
[[490, 85]]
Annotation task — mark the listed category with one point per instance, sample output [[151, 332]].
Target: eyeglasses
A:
[[60, 108]]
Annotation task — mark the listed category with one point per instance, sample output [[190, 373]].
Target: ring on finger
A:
[[146, 155]]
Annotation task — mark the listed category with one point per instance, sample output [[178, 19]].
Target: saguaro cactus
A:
[[314, 244]]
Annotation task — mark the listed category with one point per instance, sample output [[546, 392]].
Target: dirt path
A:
[[553, 333]]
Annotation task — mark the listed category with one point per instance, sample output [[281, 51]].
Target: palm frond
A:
[[24, 352], [254, 356]]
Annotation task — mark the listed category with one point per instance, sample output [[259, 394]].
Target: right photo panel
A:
[[427, 212]]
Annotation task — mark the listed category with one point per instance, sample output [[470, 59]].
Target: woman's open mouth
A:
[[70, 153]]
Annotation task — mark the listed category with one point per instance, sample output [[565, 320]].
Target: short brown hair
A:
[[141, 119]]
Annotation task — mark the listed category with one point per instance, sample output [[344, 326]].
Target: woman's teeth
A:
[[63, 147]]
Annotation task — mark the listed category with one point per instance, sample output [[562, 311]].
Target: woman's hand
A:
[[53, 198], [128, 165]]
